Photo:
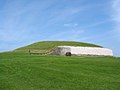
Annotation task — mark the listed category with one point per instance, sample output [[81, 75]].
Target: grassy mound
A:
[[46, 46], [20, 71]]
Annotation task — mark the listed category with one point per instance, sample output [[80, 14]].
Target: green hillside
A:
[[46, 46], [23, 71], [20, 71]]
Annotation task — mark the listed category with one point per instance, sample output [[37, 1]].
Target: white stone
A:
[[76, 50]]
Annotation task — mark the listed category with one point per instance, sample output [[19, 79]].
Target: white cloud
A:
[[116, 10], [116, 15], [70, 25], [62, 15]]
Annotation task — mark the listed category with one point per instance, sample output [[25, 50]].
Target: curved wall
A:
[[85, 51]]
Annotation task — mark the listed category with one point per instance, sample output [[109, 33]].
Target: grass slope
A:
[[46, 46], [20, 71]]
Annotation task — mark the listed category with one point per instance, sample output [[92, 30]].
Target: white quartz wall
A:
[[91, 51], [86, 50]]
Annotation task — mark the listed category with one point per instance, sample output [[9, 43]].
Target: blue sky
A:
[[23, 22]]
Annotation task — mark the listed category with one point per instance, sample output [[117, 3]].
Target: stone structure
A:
[[76, 50]]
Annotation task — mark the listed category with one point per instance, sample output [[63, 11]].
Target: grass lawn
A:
[[20, 71]]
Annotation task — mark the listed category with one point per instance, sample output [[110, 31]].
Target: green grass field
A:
[[21, 71]]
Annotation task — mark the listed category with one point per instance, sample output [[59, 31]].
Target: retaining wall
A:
[[83, 51]]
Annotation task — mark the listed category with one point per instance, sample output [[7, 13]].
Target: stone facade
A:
[[75, 50]]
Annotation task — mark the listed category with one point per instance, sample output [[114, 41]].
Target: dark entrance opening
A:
[[68, 54]]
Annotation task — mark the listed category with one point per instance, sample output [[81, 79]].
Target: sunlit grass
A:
[[21, 71]]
